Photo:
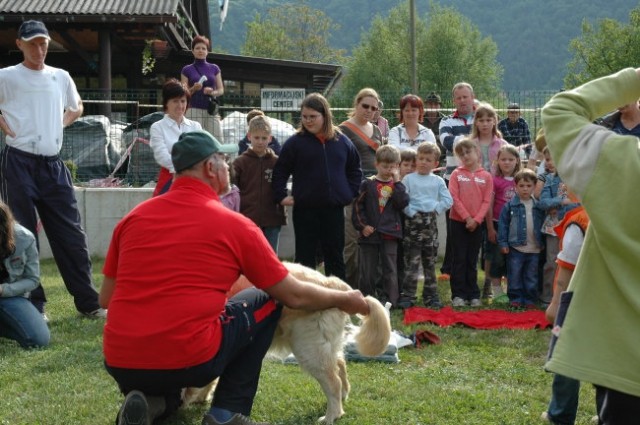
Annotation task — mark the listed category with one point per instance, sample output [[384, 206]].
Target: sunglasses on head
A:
[[367, 107]]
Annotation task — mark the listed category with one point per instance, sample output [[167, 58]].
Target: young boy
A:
[[407, 162], [428, 197], [244, 144], [520, 239], [377, 215], [253, 170], [471, 188], [407, 166]]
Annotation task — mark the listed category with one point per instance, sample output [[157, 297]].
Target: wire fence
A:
[[118, 123]]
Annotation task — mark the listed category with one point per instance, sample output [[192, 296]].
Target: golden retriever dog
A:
[[317, 340]]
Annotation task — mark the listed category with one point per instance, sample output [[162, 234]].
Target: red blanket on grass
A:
[[478, 319]]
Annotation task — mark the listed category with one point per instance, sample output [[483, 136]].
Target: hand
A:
[[196, 87], [471, 224], [505, 251], [287, 201], [209, 91], [367, 231], [492, 235], [354, 303], [551, 311], [5, 127]]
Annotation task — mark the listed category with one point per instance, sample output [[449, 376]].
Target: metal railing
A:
[[96, 142]]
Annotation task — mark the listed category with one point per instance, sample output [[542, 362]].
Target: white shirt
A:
[[164, 134], [399, 138], [33, 104]]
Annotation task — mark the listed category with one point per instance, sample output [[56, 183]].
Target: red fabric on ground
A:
[[478, 319]]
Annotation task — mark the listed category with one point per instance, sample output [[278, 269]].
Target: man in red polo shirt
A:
[[170, 263]]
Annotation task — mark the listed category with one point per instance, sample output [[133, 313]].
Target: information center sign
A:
[[281, 99]]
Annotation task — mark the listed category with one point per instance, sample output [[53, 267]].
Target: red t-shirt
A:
[[173, 258]]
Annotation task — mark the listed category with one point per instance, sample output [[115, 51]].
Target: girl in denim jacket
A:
[[19, 274]]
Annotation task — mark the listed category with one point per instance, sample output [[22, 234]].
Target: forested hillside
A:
[[532, 35]]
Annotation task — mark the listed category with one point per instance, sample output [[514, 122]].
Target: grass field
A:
[[473, 377]]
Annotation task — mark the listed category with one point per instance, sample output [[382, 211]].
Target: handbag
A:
[[212, 107]]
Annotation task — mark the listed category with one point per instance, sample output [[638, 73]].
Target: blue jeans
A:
[[272, 234], [22, 322], [563, 406], [522, 277]]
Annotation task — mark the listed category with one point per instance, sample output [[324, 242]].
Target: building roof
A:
[[90, 7]]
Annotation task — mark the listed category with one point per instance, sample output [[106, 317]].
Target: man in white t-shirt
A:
[[37, 101]]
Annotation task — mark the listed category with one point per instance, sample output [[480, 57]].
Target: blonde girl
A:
[[487, 136]]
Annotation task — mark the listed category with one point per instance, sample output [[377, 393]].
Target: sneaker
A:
[[531, 307], [405, 302], [515, 304], [502, 299], [595, 419], [475, 303], [134, 410], [458, 302], [99, 313], [545, 417], [444, 276], [236, 419], [433, 303], [45, 317]]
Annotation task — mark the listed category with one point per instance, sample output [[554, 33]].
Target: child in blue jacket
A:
[[520, 239]]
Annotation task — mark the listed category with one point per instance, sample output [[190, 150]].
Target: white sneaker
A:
[[475, 303], [99, 313], [595, 419], [458, 302]]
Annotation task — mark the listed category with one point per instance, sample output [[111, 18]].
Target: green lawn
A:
[[473, 377]]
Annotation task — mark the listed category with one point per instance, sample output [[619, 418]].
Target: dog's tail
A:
[[375, 331]]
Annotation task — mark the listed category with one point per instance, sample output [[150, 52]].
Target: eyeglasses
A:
[[310, 117], [367, 107]]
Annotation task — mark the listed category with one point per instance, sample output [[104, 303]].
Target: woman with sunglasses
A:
[[410, 133], [325, 167], [366, 137]]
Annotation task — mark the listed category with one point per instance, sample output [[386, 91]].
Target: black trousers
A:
[[616, 408], [464, 267], [248, 324], [322, 227], [30, 183]]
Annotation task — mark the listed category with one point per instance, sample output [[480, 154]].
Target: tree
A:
[[292, 31], [604, 50], [450, 49]]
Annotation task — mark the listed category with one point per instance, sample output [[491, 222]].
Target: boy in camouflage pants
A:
[[428, 197]]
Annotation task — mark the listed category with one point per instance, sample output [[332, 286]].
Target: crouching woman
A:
[[19, 274]]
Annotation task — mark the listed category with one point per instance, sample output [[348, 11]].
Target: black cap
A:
[[32, 29], [513, 106]]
